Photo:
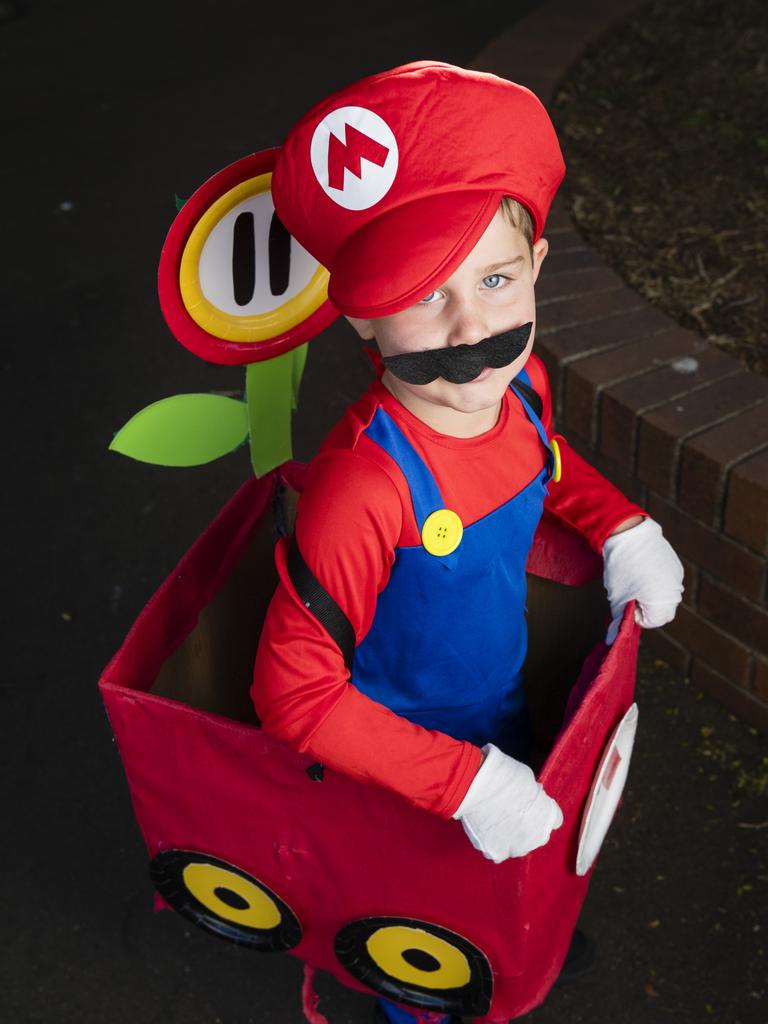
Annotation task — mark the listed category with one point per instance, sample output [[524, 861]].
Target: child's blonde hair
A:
[[519, 218]]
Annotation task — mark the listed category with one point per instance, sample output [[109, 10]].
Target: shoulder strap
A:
[[524, 390], [320, 603], [425, 494]]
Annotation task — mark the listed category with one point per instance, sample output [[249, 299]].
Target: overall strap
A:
[[533, 406], [426, 499], [521, 385], [425, 493], [319, 602]]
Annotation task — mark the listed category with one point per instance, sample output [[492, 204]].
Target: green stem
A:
[[271, 391]]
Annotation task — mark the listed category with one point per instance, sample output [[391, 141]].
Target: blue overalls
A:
[[449, 637]]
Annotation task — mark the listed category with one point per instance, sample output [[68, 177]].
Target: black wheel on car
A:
[[225, 900], [417, 963]]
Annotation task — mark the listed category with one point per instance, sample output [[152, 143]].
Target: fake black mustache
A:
[[460, 363]]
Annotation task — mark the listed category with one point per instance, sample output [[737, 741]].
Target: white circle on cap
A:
[[354, 156]]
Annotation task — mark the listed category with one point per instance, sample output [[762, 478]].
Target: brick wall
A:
[[682, 429], [673, 421]]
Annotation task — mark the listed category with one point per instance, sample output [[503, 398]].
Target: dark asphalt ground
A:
[[108, 111]]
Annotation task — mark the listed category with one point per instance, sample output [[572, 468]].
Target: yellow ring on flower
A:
[[256, 327]]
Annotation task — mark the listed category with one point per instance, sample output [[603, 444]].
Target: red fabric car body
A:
[[252, 842]]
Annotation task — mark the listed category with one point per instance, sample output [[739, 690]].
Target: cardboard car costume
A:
[[254, 842], [247, 843]]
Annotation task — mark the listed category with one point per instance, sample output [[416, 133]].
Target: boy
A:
[[424, 192]]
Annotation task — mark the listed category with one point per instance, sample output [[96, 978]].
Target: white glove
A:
[[506, 812], [639, 564]]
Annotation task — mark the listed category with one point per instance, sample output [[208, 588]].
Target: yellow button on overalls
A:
[[442, 531], [557, 472]]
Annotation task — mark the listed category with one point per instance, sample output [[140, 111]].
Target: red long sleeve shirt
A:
[[354, 512]]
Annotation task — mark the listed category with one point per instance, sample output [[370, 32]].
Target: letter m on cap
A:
[[347, 156]]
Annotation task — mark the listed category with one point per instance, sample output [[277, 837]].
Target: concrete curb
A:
[[678, 424]]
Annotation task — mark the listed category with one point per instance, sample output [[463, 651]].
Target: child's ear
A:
[[363, 327], [540, 250]]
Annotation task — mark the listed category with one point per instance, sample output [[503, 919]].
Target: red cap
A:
[[390, 183]]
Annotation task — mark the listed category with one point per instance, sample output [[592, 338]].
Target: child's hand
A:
[[506, 812], [639, 564]]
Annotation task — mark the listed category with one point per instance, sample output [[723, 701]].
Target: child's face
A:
[[491, 292]]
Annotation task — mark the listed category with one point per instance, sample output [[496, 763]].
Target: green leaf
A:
[[179, 201], [184, 430]]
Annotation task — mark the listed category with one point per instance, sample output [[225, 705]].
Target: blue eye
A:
[[494, 281], [430, 298]]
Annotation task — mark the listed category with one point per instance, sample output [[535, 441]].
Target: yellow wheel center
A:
[[231, 897], [393, 948]]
